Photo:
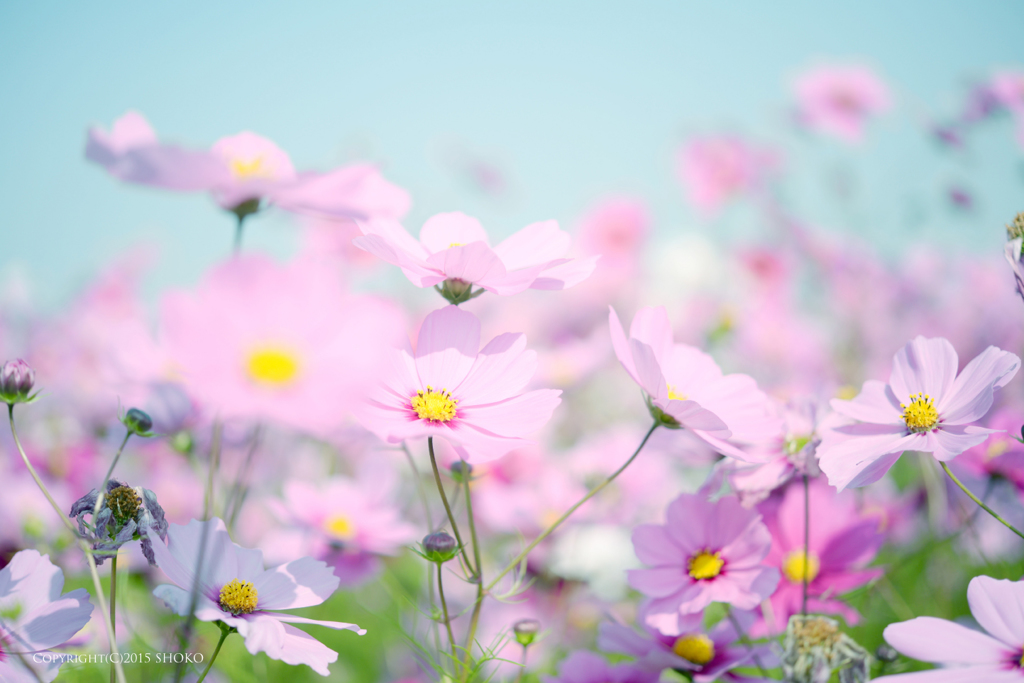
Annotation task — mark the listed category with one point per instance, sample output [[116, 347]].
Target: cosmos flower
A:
[[453, 249], [686, 388], [995, 656], [235, 588], [240, 171], [589, 667], [705, 552], [842, 541], [259, 340], [925, 407], [349, 523], [716, 169], [708, 655], [34, 616], [838, 100], [448, 387], [126, 514]]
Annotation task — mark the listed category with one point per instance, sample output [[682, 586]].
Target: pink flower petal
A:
[[875, 403], [503, 368], [924, 366], [473, 262], [998, 605], [535, 244], [937, 640], [444, 230], [446, 347], [299, 583], [971, 395]]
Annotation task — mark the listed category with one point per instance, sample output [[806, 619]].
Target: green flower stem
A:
[[447, 508], [225, 631], [807, 542], [422, 493], [447, 621], [474, 620], [110, 472], [97, 586], [113, 602], [590, 494], [973, 497], [746, 641]]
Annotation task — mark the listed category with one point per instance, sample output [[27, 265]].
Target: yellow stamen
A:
[[434, 406], [797, 566], [705, 565], [695, 647], [920, 415], [674, 395], [456, 244], [340, 527], [273, 367], [248, 168], [238, 597]]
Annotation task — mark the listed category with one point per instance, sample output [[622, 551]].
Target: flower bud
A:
[[461, 471], [526, 631], [16, 382], [1016, 228], [886, 653], [137, 422], [439, 547]]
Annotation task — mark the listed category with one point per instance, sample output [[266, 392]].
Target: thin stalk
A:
[[807, 542], [590, 494], [113, 603], [224, 633], [973, 497], [474, 620], [238, 237], [447, 507], [746, 641], [522, 665], [421, 491], [447, 621], [186, 632], [110, 472], [97, 586]]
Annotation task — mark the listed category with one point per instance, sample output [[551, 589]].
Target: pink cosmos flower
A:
[[34, 616], [838, 100], [259, 340], [235, 588], [925, 407], [615, 230], [705, 552], [842, 541], [967, 655], [686, 388], [449, 387], [1002, 455], [714, 170], [348, 523], [708, 655], [453, 249], [239, 169], [589, 667], [1008, 89]]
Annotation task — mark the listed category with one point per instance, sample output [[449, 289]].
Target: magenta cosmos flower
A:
[[715, 170], [589, 667], [686, 388], [707, 655], [239, 169], [925, 406], [258, 340], [705, 552], [449, 387], [838, 100], [967, 655], [842, 541], [453, 249], [34, 617], [235, 588]]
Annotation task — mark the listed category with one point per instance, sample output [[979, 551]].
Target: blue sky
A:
[[573, 100]]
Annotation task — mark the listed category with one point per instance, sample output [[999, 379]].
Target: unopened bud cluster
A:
[[16, 382]]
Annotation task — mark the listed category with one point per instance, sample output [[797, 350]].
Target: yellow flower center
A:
[[705, 565], [272, 367], [435, 406], [920, 415], [695, 647], [798, 566], [339, 526], [674, 395], [248, 168], [456, 244], [238, 597], [995, 449]]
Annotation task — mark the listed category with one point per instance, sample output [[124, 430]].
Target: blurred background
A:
[[510, 113]]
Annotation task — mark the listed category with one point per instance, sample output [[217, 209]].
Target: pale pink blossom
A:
[[716, 169], [235, 588], [839, 100]]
